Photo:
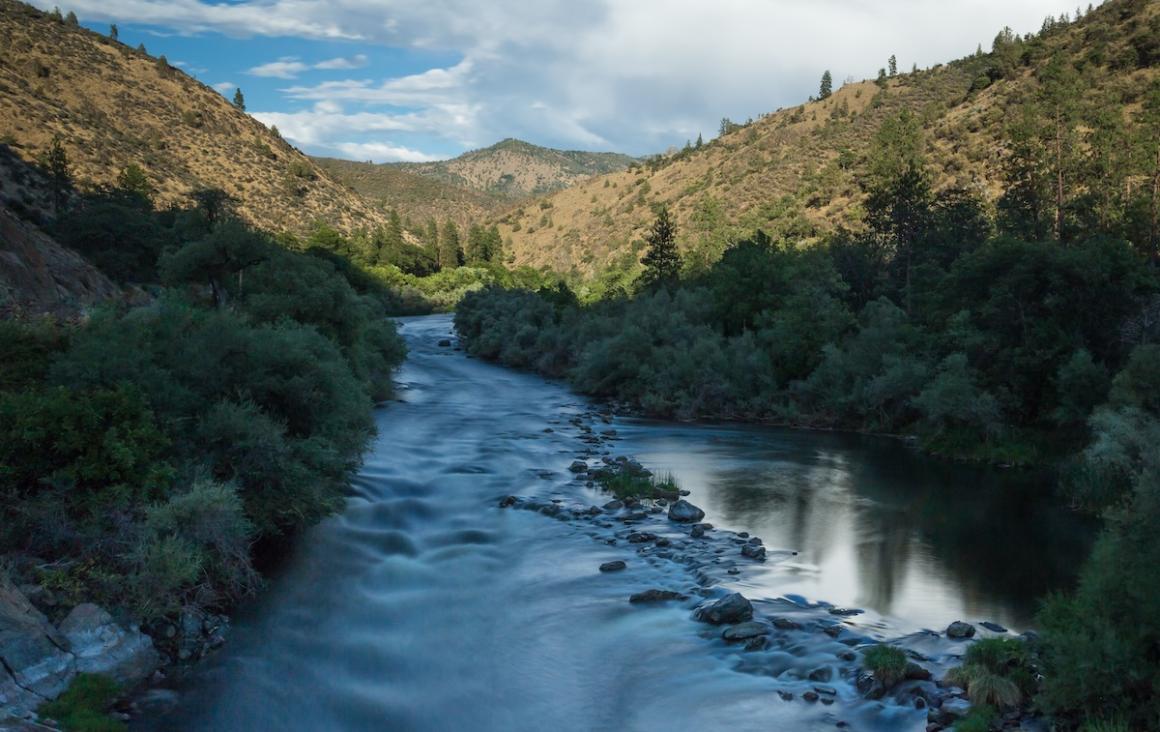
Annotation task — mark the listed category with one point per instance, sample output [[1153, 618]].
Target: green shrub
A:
[[995, 672], [28, 349], [979, 719], [84, 706], [887, 663]]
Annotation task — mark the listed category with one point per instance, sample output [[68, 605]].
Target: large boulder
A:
[[35, 665], [685, 512], [959, 630], [728, 610], [101, 646]]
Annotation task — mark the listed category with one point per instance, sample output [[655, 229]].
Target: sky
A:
[[417, 80]]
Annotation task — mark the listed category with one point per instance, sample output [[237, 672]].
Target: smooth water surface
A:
[[424, 606]]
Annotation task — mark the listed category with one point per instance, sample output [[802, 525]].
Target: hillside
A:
[[514, 169], [799, 172], [416, 197], [113, 106]]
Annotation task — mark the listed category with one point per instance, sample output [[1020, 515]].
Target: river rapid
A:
[[426, 606]]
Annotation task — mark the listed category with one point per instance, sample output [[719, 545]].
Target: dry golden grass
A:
[[112, 107]]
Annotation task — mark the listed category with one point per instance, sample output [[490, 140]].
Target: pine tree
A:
[[59, 171], [700, 141], [141, 49], [56, 16], [1059, 89], [132, 180], [827, 86], [881, 80], [113, 31], [893, 64], [431, 237], [239, 100], [450, 249], [71, 18], [1148, 136], [475, 244], [662, 261]]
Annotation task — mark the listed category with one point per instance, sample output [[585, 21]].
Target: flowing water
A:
[[425, 606]]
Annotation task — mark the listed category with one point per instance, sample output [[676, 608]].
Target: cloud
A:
[[342, 64], [379, 152], [225, 87], [634, 76], [287, 67]]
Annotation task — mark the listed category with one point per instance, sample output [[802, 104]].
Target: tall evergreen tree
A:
[[827, 86], [1023, 207], [893, 64], [113, 31], [662, 261], [450, 248], [700, 141], [71, 18], [60, 180], [431, 237], [1148, 153], [239, 99], [1058, 92]]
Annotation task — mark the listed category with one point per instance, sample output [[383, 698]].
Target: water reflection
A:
[[876, 525]]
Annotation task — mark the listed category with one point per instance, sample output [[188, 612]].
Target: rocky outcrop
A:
[[34, 662], [39, 276], [100, 646], [38, 661]]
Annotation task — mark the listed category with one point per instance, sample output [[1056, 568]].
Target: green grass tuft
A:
[[84, 707], [887, 662]]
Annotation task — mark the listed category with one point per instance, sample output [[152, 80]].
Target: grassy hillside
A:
[[416, 197], [513, 169], [112, 106], [802, 171]]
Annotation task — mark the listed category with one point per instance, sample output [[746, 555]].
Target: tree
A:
[[55, 15], [132, 180], [827, 86], [450, 249], [239, 100], [893, 64], [113, 31], [141, 49], [214, 204], [1148, 135], [431, 236], [59, 171], [71, 18], [699, 142], [1059, 89], [1024, 204], [662, 261], [228, 250]]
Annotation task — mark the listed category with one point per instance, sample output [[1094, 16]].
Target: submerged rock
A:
[[959, 630], [993, 627], [614, 566], [753, 551], [730, 609], [685, 512], [745, 631], [578, 466], [655, 595]]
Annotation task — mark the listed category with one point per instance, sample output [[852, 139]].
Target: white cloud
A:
[[341, 64], [287, 67], [633, 75], [380, 152], [225, 87]]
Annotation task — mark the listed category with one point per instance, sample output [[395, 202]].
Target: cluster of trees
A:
[[145, 451]]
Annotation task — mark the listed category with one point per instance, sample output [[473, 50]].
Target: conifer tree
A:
[[827, 86], [662, 261], [239, 100], [71, 18], [113, 31], [700, 141], [893, 64], [450, 249], [59, 171]]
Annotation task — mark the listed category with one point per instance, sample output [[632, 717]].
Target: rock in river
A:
[[745, 631], [960, 630], [730, 609], [578, 466], [685, 512], [614, 566], [655, 595]]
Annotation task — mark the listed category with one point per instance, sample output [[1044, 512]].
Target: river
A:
[[425, 606]]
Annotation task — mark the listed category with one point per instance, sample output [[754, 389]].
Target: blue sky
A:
[[390, 80]]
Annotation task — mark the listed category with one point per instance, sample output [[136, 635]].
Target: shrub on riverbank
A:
[[887, 663], [144, 452]]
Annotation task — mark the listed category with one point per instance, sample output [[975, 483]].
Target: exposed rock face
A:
[[103, 647], [35, 664], [37, 275]]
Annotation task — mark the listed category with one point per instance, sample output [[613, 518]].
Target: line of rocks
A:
[[703, 549]]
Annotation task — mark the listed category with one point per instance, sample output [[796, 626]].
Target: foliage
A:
[[995, 672], [84, 706], [887, 663], [978, 719]]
